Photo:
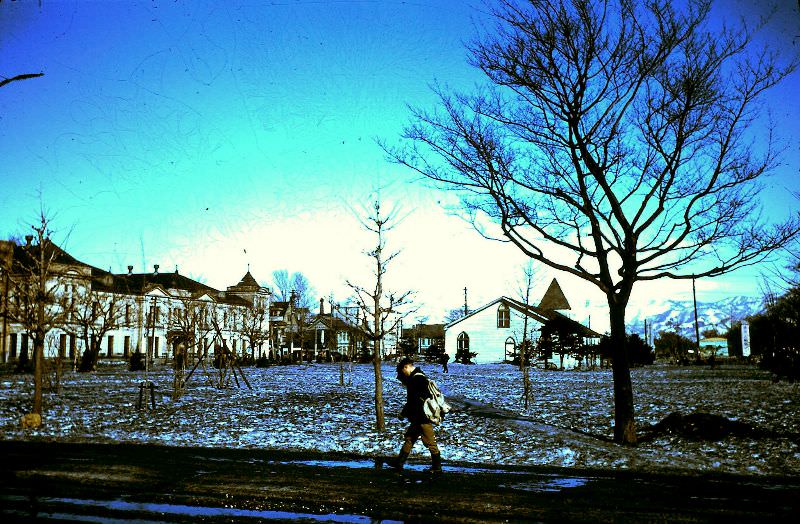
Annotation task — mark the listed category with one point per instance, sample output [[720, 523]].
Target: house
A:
[[144, 312], [422, 339], [286, 321], [331, 336], [494, 331]]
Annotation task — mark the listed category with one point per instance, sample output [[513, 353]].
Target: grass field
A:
[[303, 407]]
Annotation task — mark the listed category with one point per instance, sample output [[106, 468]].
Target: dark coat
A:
[[416, 393]]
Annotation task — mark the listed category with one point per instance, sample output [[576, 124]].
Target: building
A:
[[331, 336], [423, 339], [716, 346], [495, 331], [150, 313]]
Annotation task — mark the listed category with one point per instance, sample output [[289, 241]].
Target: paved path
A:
[[144, 483]]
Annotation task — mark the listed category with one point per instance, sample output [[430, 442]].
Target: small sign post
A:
[[745, 339]]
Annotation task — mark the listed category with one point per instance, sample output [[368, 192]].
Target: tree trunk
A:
[[624, 423], [376, 361], [38, 362], [89, 357]]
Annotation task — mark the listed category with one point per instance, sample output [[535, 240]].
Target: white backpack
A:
[[435, 407]]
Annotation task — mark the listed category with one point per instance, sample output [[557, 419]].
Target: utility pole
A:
[[466, 309], [645, 331], [696, 326]]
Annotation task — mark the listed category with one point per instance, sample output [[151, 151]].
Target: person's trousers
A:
[[414, 432]]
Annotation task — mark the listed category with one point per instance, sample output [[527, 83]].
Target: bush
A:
[[136, 363], [639, 353], [674, 347]]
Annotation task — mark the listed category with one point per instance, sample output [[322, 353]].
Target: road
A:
[[145, 483]]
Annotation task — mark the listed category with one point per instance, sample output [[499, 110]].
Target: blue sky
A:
[[213, 135]]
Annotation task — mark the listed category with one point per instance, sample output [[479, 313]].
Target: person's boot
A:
[[398, 462], [436, 464]]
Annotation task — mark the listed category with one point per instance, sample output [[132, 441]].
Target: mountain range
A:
[[678, 315]]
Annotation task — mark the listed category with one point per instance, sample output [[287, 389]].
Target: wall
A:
[[485, 338]]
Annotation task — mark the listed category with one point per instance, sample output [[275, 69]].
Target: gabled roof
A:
[[24, 256], [140, 283], [534, 312], [331, 322], [130, 283], [424, 331], [554, 298]]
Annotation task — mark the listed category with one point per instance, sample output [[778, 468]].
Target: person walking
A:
[[416, 384], [445, 360]]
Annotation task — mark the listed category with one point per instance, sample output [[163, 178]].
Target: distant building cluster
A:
[[84, 314], [76, 306]]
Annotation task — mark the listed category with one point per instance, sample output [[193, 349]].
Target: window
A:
[[463, 342], [152, 346], [511, 349], [110, 345], [503, 316]]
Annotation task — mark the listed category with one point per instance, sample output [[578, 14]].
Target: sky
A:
[[220, 136]]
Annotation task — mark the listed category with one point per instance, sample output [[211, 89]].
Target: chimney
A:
[[176, 269], [155, 269], [130, 270], [28, 240], [321, 306]]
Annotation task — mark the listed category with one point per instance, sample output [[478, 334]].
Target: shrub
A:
[[136, 362]]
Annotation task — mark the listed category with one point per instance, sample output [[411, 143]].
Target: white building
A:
[[152, 312], [494, 331]]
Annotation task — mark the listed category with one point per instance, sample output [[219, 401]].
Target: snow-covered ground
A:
[[304, 408]]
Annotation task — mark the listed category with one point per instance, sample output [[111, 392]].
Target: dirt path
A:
[[102, 483]]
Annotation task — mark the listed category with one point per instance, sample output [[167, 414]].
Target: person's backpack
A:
[[435, 407]]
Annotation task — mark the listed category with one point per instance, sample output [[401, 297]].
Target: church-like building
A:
[[494, 331]]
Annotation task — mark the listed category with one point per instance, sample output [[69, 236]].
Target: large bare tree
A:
[[38, 300], [382, 309], [617, 141]]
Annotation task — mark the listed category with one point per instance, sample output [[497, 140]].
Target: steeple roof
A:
[[554, 298], [247, 281]]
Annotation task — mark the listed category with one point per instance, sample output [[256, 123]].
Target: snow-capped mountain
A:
[[672, 315]]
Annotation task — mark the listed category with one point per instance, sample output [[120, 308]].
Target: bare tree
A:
[[285, 284], [189, 327], [383, 309], [613, 142], [94, 313], [225, 360], [303, 290], [524, 351], [38, 300], [254, 325], [282, 284]]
